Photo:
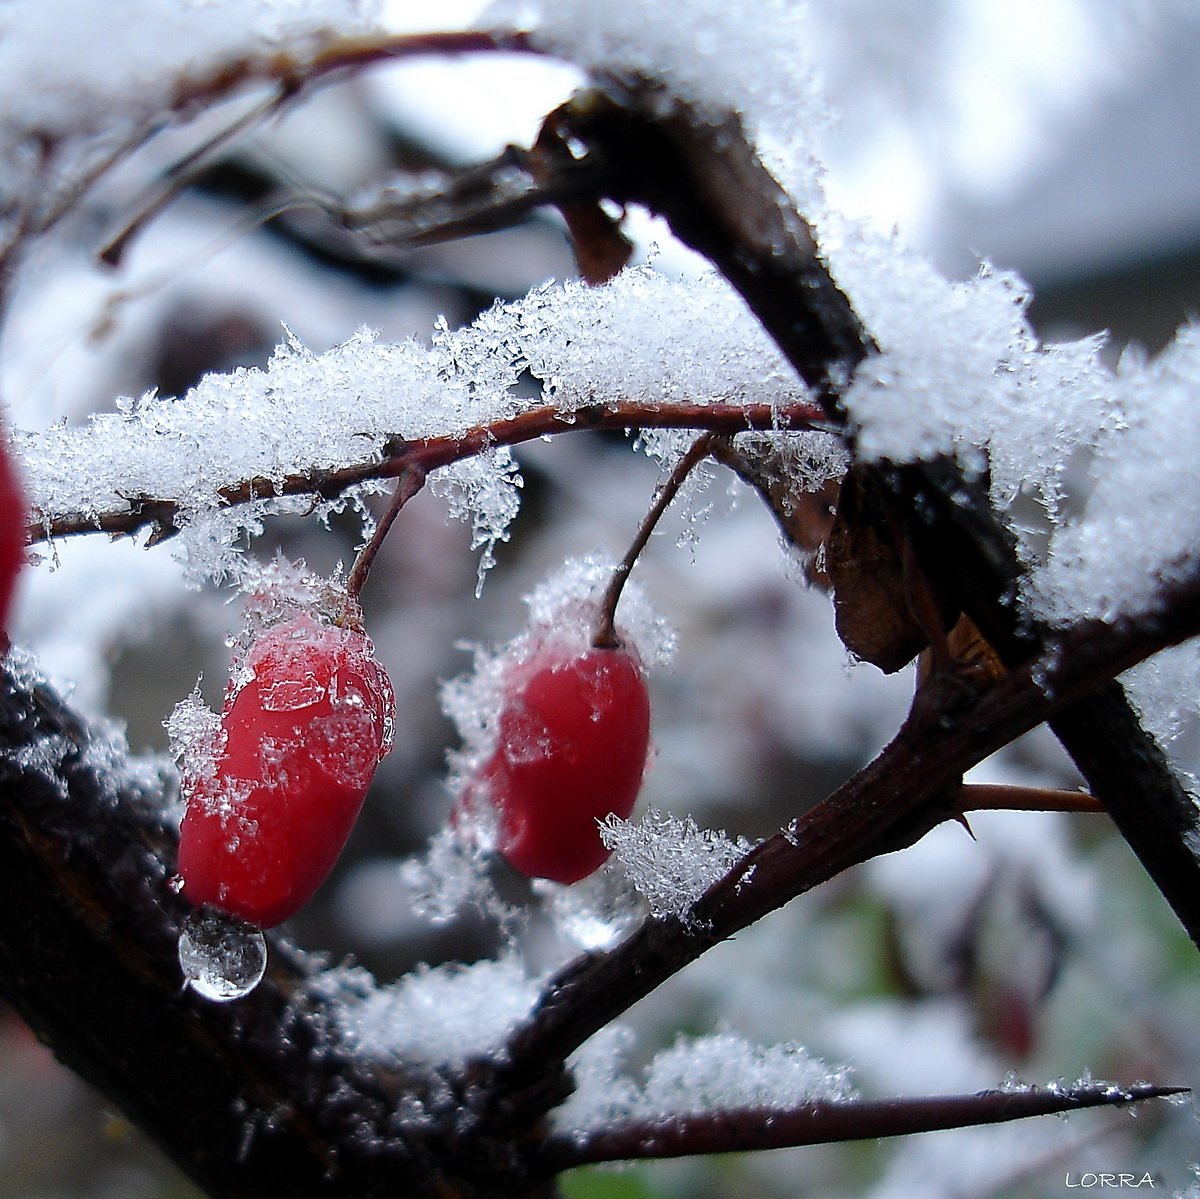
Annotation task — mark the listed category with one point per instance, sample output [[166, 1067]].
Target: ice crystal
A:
[[695, 1075], [670, 862], [439, 1015]]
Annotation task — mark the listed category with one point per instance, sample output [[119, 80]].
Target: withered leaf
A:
[[601, 248], [884, 609]]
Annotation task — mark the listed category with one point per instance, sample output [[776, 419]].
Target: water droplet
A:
[[222, 958]]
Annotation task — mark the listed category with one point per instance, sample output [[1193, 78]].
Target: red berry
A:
[[574, 733], [13, 517], [302, 737]]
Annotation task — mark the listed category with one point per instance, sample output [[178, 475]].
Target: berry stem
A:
[[605, 636], [408, 483]]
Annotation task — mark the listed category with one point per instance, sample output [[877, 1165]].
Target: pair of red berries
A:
[[302, 733]]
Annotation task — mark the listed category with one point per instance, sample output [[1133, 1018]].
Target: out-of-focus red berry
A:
[[303, 733], [14, 515], [574, 734]]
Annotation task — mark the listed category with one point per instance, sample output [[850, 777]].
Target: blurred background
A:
[[1054, 137]]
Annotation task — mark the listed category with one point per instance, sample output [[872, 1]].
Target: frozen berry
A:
[[302, 733], [573, 737]]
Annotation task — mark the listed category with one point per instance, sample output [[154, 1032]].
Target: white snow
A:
[[1143, 478], [438, 1015], [670, 861], [306, 413], [692, 1076]]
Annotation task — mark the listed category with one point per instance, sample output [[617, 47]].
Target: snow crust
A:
[[693, 1076], [1138, 534], [440, 1015], [1077, 455]]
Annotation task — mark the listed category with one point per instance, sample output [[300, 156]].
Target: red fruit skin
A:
[[14, 515], [574, 735], [302, 739]]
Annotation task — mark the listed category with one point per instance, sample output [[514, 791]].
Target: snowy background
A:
[[1056, 139]]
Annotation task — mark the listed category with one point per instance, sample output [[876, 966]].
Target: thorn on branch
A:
[[826, 1122]]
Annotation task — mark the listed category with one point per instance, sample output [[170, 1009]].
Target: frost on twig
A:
[[307, 419]]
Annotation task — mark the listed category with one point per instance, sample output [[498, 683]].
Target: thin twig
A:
[[606, 633], [407, 485], [182, 174]]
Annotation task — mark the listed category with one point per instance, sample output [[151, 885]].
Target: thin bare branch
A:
[[407, 485]]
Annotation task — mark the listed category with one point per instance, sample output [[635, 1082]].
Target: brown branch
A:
[[88, 932], [969, 555], [737, 1130], [709, 183], [407, 485], [292, 77], [256, 1097], [430, 453]]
